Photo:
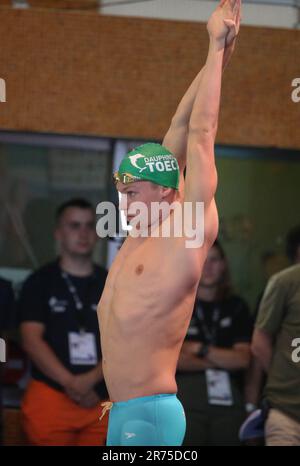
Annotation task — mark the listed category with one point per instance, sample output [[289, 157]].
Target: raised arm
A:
[[201, 175], [176, 137]]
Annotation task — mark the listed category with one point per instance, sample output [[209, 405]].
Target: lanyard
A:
[[80, 314], [210, 335]]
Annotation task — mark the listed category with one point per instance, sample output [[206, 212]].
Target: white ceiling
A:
[[272, 13], [269, 13]]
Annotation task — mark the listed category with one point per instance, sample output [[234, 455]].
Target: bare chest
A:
[[144, 282]]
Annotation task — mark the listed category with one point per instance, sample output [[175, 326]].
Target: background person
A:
[[60, 333], [214, 356]]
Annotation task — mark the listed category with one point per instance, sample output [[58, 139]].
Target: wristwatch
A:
[[250, 407], [203, 351]]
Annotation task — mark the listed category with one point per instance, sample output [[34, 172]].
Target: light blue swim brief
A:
[[147, 420]]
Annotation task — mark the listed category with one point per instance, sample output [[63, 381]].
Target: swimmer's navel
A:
[[139, 269]]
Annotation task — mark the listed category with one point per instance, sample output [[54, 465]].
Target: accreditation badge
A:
[[218, 387], [82, 349]]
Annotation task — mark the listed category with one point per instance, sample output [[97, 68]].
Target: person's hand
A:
[[194, 347], [90, 400], [223, 25], [230, 40], [234, 25], [78, 386]]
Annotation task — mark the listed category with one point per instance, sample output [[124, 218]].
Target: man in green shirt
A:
[[276, 344]]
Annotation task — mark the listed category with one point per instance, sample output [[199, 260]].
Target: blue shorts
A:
[[147, 420]]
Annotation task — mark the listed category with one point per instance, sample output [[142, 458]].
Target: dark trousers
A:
[[208, 424]]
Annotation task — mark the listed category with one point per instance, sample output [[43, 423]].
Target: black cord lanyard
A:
[[80, 313], [209, 335]]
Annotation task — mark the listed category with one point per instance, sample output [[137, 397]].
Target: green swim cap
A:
[[149, 162]]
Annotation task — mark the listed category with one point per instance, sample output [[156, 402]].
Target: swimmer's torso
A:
[[144, 313]]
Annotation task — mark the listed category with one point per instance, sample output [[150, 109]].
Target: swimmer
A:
[[147, 303]]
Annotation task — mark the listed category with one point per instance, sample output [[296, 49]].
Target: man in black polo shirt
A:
[[213, 358], [6, 323], [60, 333]]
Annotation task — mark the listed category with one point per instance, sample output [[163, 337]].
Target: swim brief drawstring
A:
[[107, 405]]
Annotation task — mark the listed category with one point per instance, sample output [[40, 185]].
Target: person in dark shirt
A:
[[7, 306], [59, 329], [7, 314], [213, 358]]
